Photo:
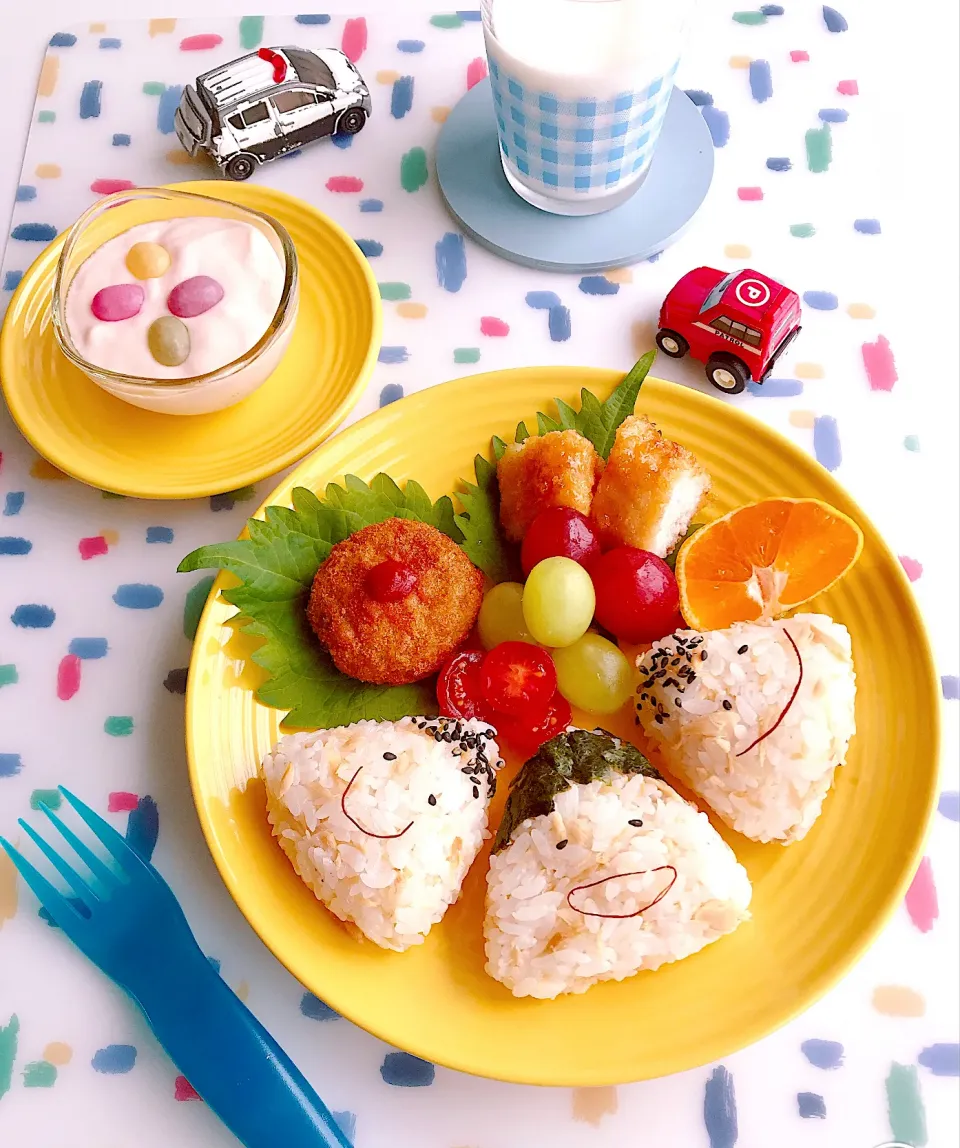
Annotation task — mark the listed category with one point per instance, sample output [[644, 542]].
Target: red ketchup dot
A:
[[117, 302], [194, 297], [390, 581]]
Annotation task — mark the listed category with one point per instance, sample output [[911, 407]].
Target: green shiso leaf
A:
[[671, 558], [545, 424], [276, 565], [479, 523], [305, 682], [574, 758], [597, 421]]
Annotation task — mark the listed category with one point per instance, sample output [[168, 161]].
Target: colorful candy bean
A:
[[147, 260], [117, 302], [194, 297], [169, 340]]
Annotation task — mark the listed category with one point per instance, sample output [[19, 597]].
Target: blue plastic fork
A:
[[132, 927]]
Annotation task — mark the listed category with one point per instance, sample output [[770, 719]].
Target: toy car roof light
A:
[[277, 61]]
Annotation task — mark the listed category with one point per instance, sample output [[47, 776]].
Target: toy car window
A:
[[738, 329], [290, 101], [754, 338], [236, 122], [310, 68], [255, 115], [722, 323], [716, 293]]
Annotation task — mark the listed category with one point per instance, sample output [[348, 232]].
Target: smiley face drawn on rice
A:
[[383, 819], [755, 718], [584, 893]]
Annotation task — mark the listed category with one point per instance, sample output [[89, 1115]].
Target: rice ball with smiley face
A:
[[382, 820]]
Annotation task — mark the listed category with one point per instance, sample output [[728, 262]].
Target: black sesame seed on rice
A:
[[743, 649], [389, 757], [635, 822], [562, 844], [476, 792], [703, 655], [727, 705], [431, 800]]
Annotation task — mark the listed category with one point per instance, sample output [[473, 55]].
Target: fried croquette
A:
[[650, 490], [560, 468], [401, 641]]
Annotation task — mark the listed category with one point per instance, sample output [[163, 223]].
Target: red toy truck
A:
[[738, 324]]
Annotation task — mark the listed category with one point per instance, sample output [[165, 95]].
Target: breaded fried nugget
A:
[[650, 490], [556, 469], [402, 641]]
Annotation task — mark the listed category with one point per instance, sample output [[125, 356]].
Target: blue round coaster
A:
[[488, 209]]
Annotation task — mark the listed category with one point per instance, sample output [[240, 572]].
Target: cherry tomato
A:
[[459, 687], [526, 737], [637, 596], [518, 679], [559, 533], [389, 581]]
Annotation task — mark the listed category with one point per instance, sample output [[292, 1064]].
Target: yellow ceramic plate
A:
[[816, 904], [112, 445]]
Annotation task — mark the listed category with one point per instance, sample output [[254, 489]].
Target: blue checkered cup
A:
[[580, 92]]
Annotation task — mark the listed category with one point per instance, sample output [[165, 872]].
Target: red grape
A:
[[637, 596], [559, 533]]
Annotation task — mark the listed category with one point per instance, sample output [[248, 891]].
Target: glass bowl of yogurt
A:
[[175, 302]]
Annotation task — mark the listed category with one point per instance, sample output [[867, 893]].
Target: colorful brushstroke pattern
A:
[[114, 676]]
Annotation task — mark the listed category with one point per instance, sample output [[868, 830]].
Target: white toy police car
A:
[[270, 102]]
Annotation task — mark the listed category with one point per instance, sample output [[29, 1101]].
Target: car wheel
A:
[[672, 344], [727, 374], [351, 121], [241, 166]]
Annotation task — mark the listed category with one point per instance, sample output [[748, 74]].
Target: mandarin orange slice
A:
[[763, 559]]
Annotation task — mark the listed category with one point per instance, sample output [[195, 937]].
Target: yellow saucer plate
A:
[[112, 445], [817, 904]]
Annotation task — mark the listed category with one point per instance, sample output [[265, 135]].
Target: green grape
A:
[[594, 675], [501, 616], [558, 601]]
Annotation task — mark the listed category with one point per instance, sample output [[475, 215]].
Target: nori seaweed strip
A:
[[574, 758]]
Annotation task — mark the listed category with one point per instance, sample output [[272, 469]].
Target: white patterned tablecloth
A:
[[91, 689]]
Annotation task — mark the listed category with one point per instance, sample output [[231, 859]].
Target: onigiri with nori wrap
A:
[[601, 870]]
